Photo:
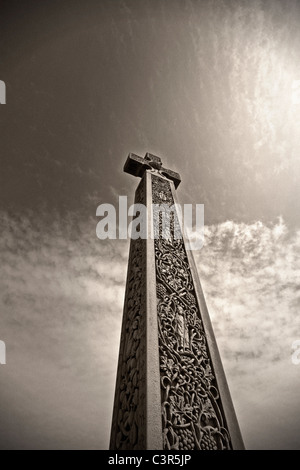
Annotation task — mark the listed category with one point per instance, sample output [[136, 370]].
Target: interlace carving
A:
[[130, 400], [192, 413]]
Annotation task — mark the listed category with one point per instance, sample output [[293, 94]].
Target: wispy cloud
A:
[[251, 278], [61, 307]]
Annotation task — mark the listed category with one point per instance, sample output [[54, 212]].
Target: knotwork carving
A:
[[192, 413], [128, 432]]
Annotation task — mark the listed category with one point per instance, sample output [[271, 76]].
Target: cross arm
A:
[[137, 166], [172, 175]]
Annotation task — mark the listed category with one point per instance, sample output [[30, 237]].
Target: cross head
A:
[[137, 166]]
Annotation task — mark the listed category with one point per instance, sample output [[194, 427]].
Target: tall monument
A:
[[171, 392]]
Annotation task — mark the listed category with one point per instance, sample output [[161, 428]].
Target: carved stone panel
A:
[[192, 413], [129, 426]]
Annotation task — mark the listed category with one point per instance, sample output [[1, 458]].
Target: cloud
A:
[[61, 308], [251, 276]]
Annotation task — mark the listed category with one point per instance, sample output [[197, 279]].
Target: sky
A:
[[210, 86]]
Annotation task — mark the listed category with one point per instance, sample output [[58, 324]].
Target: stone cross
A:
[[137, 166], [171, 392]]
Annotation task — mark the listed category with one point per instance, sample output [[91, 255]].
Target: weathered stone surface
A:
[[129, 421], [171, 392], [137, 166]]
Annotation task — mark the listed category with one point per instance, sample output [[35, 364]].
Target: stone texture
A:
[[171, 391]]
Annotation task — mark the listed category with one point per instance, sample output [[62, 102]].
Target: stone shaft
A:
[[171, 392]]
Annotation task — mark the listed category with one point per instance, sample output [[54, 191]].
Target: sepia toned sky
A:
[[211, 87]]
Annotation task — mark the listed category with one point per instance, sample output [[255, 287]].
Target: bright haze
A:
[[212, 87]]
